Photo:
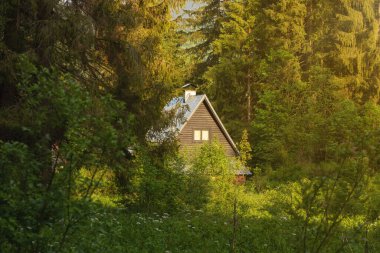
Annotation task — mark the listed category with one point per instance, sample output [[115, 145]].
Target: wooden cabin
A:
[[196, 123], [200, 123]]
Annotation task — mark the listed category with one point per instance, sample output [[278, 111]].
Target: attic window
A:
[[204, 135], [201, 135], [197, 135]]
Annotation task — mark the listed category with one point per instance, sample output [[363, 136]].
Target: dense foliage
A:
[[82, 82]]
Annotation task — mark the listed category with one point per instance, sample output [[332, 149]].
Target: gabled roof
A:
[[188, 109]]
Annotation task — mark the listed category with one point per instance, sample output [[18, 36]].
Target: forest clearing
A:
[[190, 126]]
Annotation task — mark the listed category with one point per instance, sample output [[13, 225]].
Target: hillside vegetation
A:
[[295, 82]]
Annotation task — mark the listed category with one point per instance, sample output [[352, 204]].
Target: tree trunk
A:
[[249, 98]]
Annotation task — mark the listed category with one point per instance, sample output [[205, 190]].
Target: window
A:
[[204, 135], [197, 135], [201, 135]]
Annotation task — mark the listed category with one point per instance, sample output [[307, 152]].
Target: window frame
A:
[[201, 130], [200, 135], [208, 135]]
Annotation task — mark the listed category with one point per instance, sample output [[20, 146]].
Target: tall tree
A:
[[344, 37], [280, 25], [230, 81], [108, 46], [203, 24], [251, 32], [80, 81]]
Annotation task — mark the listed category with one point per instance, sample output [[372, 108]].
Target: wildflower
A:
[[138, 223]]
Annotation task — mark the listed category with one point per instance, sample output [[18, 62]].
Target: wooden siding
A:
[[202, 119]]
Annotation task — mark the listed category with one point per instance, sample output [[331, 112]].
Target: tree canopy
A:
[[82, 82]]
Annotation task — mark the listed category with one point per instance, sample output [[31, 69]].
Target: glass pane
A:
[[205, 135], [197, 135]]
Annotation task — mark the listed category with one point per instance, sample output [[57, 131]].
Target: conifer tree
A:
[[252, 31], [245, 148], [203, 24], [280, 25], [108, 46], [357, 47], [230, 81], [344, 37]]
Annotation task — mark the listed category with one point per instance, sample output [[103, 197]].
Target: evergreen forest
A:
[[296, 84]]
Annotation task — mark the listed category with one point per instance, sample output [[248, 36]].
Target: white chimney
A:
[[189, 93]]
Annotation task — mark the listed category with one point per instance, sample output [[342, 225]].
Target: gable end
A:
[[204, 117]]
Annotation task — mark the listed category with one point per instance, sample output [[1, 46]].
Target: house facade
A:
[[200, 123]]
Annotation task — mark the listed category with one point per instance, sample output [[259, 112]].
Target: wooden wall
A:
[[202, 120]]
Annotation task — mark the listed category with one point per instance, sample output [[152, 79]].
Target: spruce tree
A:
[[203, 26], [108, 46], [245, 148], [280, 25], [251, 32], [230, 82], [344, 37]]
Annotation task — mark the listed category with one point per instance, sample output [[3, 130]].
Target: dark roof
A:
[[189, 85]]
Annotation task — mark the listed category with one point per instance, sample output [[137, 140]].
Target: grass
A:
[[191, 231], [262, 227]]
